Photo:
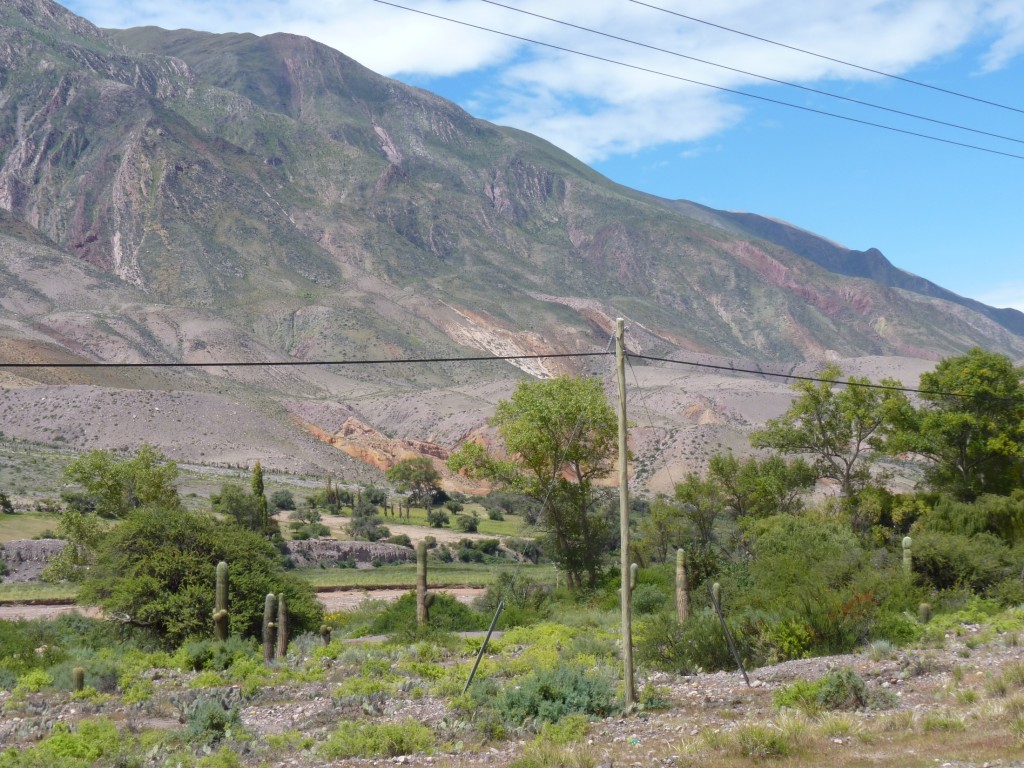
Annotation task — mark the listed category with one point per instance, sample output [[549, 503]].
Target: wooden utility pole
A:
[[625, 592]]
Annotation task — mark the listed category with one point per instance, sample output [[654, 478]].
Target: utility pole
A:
[[625, 592]]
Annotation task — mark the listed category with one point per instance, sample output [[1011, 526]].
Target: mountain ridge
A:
[[267, 198]]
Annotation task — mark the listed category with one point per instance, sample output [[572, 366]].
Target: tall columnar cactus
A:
[[924, 613], [908, 556], [269, 614], [424, 599], [221, 621], [716, 593], [77, 679], [682, 587], [634, 569], [325, 634], [282, 627]]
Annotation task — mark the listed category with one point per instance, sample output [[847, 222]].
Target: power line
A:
[[817, 91], [830, 58], [816, 379], [648, 70], [300, 363], [501, 358]]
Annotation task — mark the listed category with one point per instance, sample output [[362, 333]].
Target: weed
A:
[[759, 742], [551, 694], [881, 650], [210, 721], [367, 739], [544, 754], [933, 722]]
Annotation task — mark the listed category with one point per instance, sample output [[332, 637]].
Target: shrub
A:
[[367, 739], [157, 568], [199, 655], [467, 523], [495, 514], [282, 500], [437, 518], [548, 695], [401, 540], [648, 598], [209, 722], [93, 742], [446, 615], [839, 688], [946, 560]]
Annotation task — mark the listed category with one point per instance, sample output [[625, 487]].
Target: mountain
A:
[[185, 196]]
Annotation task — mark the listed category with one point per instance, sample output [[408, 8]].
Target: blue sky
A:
[[947, 213]]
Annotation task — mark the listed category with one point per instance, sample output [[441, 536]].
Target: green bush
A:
[[209, 722], [214, 655], [93, 742], [367, 739], [1001, 516], [283, 500], [647, 598], [157, 568], [839, 688], [548, 695], [446, 615], [946, 560]]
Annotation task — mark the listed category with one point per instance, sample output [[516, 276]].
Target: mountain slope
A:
[[184, 196]]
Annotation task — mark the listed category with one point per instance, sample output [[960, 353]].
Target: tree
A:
[[260, 495], [661, 533], [560, 436], [761, 487], [702, 503], [283, 500], [239, 506], [366, 523], [117, 486], [970, 426], [156, 569], [6, 507], [418, 475], [843, 430]]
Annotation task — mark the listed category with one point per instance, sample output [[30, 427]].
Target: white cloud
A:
[[1006, 295], [592, 108]]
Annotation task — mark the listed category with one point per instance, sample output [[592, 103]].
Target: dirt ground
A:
[[333, 602]]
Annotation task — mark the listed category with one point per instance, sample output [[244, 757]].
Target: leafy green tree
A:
[[156, 569], [418, 475], [970, 425], [117, 486], [367, 524], [762, 487], [6, 507], [661, 533], [560, 436], [842, 429], [239, 506], [283, 500], [702, 503], [259, 494]]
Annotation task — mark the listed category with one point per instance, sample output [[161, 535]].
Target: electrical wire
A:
[[837, 382], [299, 363], [760, 77], [482, 358], [830, 58], [680, 78]]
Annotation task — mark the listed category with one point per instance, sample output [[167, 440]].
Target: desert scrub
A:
[[368, 739], [91, 742], [840, 688], [548, 695], [210, 722], [544, 754]]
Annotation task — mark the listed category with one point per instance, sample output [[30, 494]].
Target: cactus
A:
[[77, 679], [423, 597], [924, 613], [716, 593], [221, 625], [325, 634], [269, 611], [908, 556], [282, 627], [682, 587], [633, 570]]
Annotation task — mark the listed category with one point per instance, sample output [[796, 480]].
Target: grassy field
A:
[[454, 574], [512, 525], [25, 525], [15, 593]]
